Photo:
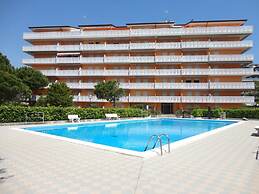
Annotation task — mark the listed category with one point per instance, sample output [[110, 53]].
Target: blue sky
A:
[[17, 15]]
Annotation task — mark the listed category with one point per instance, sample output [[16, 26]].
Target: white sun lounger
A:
[[73, 118], [111, 116], [257, 129]]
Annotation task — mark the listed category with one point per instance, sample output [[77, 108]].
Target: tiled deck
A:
[[221, 163]]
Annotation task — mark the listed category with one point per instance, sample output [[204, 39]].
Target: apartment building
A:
[[166, 65]]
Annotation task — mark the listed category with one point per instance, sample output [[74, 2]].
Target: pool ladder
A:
[[158, 138]]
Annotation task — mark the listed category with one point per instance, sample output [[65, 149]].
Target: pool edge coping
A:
[[145, 155]]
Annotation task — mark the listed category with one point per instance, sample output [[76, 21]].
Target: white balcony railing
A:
[[226, 58], [140, 59], [139, 33], [80, 85], [175, 86], [174, 99], [68, 48], [40, 48], [150, 72], [95, 99], [99, 72], [182, 86], [141, 46], [232, 85]]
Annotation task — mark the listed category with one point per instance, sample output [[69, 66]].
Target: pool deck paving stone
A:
[[220, 163]]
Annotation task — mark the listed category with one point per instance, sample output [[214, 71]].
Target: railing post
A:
[[161, 149]]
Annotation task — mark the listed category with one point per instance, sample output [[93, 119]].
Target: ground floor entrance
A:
[[167, 108]]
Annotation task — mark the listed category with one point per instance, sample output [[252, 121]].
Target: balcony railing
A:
[[182, 86], [141, 59], [226, 58], [232, 85], [150, 72], [217, 99], [175, 86], [141, 46], [98, 72], [174, 99], [139, 33]]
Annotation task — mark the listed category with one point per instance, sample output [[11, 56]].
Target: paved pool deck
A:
[[220, 163]]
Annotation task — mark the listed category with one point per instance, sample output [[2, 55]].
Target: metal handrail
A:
[[149, 140], [168, 140], [159, 139]]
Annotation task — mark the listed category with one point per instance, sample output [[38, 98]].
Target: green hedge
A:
[[18, 113], [240, 113], [230, 113], [216, 113]]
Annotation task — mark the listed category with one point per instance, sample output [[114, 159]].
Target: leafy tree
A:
[[109, 91], [12, 89], [254, 93], [5, 64], [42, 101], [59, 95], [32, 78]]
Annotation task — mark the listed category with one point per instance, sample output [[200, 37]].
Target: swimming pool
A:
[[131, 134]]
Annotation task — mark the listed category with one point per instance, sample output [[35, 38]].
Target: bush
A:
[[230, 113], [216, 113], [197, 112], [178, 113], [240, 113], [12, 113]]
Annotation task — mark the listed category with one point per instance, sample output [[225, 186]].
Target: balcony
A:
[[154, 72], [108, 72], [155, 99], [95, 99], [41, 48], [218, 99], [231, 58], [53, 72], [174, 99], [141, 46], [229, 72], [141, 59], [216, 44], [240, 30], [63, 48], [175, 86], [182, 86], [81, 85], [150, 72], [232, 85], [92, 60]]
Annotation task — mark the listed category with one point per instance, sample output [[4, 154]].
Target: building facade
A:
[[166, 65]]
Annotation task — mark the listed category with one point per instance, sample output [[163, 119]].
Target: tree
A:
[[42, 101], [109, 91], [32, 78], [12, 89], [59, 95], [254, 93], [5, 64]]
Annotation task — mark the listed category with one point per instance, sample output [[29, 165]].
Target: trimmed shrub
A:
[[11, 113], [197, 112], [230, 113], [216, 113], [240, 113]]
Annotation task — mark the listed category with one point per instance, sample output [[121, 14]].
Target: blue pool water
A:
[[131, 135]]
